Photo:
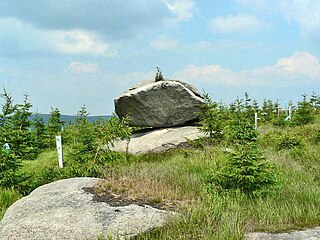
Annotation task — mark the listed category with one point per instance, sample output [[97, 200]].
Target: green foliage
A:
[[22, 113], [248, 108], [54, 127], [9, 161], [305, 113], [246, 170], [159, 75], [89, 152], [8, 109], [39, 132], [240, 129], [84, 147], [7, 197], [211, 118], [280, 121], [269, 110], [218, 215], [242, 170], [21, 138], [288, 140], [16, 127], [41, 171], [317, 136], [9, 164]]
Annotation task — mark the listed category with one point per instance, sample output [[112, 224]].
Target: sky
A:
[[66, 54]]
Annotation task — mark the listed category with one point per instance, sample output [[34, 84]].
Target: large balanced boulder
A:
[[159, 140], [64, 210], [159, 104]]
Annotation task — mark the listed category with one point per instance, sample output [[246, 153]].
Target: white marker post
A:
[[290, 111], [256, 121], [59, 149]]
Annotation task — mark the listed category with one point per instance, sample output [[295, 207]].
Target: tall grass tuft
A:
[[7, 197]]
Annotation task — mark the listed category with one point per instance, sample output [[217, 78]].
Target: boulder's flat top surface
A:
[[159, 140], [64, 210], [309, 234], [148, 82]]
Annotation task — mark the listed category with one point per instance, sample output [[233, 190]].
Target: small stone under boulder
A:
[[159, 140], [159, 104], [63, 210]]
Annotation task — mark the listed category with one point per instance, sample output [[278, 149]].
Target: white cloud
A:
[[214, 74], [79, 67], [306, 13], [124, 81], [300, 68], [236, 23], [27, 40], [164, 43], [80, 42], [183, 9], [302, 63]]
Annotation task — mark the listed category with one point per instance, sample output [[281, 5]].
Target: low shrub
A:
[[245, 170], [9, 164], [304, 113], [280, 121], [288, 141], [211, 118], [89, 154]]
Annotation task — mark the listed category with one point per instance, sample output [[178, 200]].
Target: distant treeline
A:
[[67, 119]]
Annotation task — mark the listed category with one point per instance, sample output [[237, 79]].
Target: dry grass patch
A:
[[139, 191], [171, 183]]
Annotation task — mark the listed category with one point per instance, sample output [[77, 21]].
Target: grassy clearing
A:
[[176, 179], [44, 161]]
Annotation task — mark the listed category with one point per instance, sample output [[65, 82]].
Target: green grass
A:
[[178, 177], [44, 161], [33, 175], [295, 205], [177, 180], [7, 197]]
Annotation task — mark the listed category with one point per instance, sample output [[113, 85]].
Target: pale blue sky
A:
[[69, 53]]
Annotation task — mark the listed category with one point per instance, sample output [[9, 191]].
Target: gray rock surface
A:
[[309, 234], [159, 104], [63, 210], [158, 140]]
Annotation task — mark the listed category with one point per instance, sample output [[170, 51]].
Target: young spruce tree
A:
[[246, 168], [54, 127], [9, 162]]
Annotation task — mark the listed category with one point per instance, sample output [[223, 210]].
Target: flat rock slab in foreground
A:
[[309, 234], [159, 104], [62, 210], [159, 140]]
